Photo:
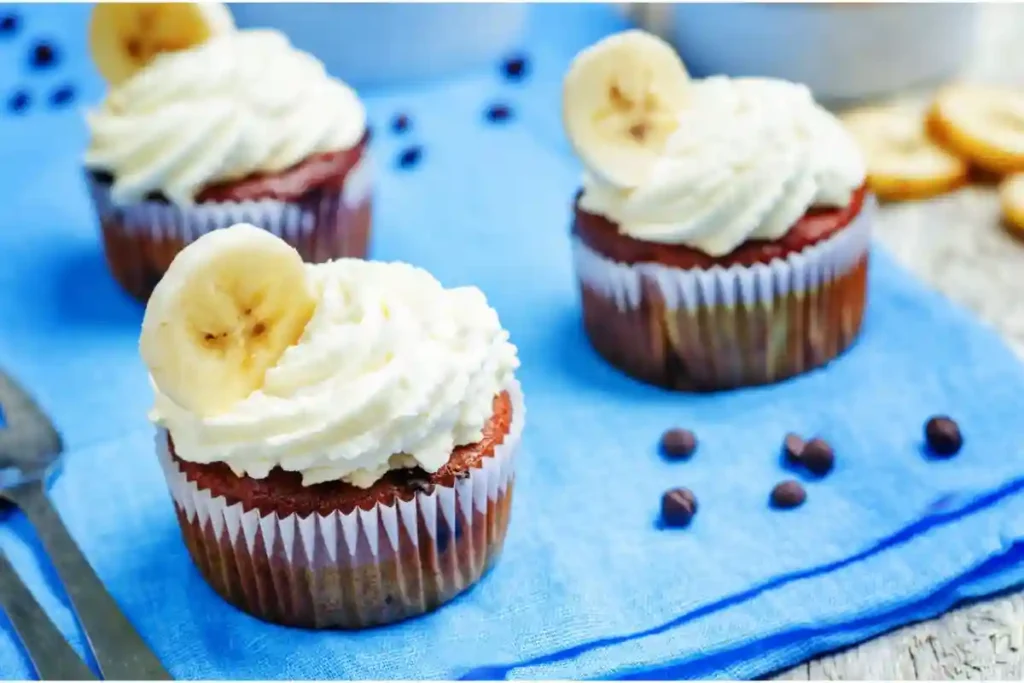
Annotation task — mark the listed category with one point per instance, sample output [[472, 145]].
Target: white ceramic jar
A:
[[843, 51], [369, 44]]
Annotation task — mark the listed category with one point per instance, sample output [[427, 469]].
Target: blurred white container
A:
[[843, 51], [371, 44]]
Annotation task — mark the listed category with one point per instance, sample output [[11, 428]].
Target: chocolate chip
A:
[[400, 123], [499, 113], [678, 443], [818, 457], [410, 157], [19, 102], [9, 24], [678, 506], [788, 494], [793, 447], [443, 537], [515, 68], [943, 436], [62, 96], [462, 474], [43, 55], [420, 485]]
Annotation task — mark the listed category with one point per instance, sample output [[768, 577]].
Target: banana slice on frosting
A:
[[903, 162], [124, 37], [982, 123], [620, 101], [228, 307], [1011, 198]]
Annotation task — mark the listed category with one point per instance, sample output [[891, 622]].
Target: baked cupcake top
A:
[[235, 104], [708, 164], [338, 371]]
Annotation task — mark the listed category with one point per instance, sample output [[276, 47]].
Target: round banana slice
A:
[[124, 37], [620, 101], [982, 123], [903, 162], [1011, 198], [228, 307]]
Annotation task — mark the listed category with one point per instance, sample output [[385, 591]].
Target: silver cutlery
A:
[[50, 654], [30, 451]]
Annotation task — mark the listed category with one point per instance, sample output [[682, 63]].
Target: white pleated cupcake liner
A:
[[142, 238], [288, 220], [355, 569], [721, 327], [734, 285]]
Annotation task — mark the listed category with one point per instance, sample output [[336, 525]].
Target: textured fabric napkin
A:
[[587, 586]]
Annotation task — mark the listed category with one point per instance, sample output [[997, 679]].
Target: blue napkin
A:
[[588, 586]]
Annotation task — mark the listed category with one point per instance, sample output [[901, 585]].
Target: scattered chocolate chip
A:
[[793, 447], [462, 474], [943, 436], [818, 457], [19, 102], [9, 24], [499, 113], [788, 494], [678, 443], [421, 485], [443, 538], [400, 123], [388, 599], [515, 68], [62, 96], [410, 157], [43, 55], [678, 506]]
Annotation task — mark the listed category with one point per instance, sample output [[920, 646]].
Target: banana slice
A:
[[902, 160], [222, 315], [124, 37], [620, 101], [982, 123], [1011, 197]]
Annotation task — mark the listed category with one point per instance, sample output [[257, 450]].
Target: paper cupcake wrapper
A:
[[364, 568], [701, 330], [142, 239]]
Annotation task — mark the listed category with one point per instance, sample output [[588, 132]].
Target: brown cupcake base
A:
[[697, 329], [375, 564], [327, 218]]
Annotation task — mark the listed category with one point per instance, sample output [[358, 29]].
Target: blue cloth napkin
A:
[[587, 586]]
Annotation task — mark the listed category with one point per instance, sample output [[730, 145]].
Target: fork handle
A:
[[117, 647], [52, 657]]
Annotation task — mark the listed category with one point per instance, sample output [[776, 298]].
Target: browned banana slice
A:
[[903, 161]]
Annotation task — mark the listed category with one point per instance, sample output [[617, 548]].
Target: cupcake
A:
[[339, 439], [721, 235], [204, 126]]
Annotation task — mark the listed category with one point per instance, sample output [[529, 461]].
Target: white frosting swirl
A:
[[392, 371], [242, 103], [749, 158]]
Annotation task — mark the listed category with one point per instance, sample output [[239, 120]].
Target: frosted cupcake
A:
[[205, 126], [721, 235], [339, 439]]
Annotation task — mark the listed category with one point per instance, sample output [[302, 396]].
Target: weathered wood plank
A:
[[982, 641]]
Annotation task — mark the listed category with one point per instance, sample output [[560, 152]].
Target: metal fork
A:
[[50, 654], [30, 450]]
